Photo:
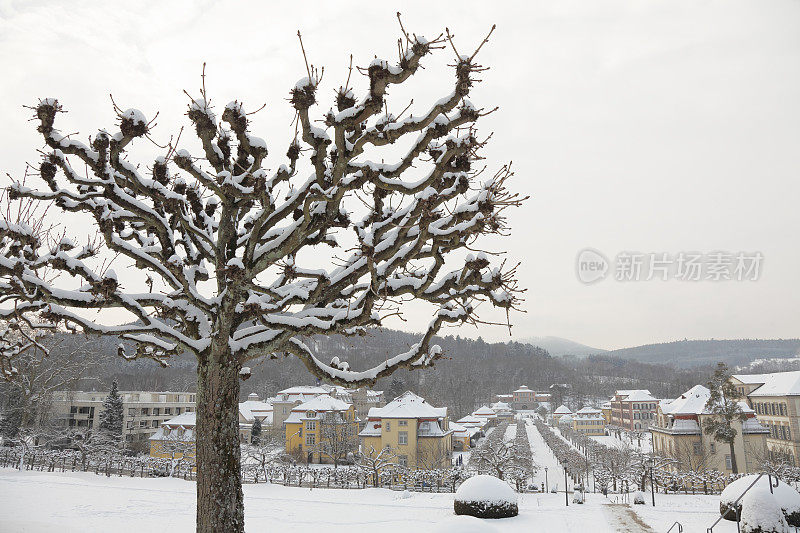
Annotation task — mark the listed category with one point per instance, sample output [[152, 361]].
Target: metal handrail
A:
[[732, 506], [680, 527]]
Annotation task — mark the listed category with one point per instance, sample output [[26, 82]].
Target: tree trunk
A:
[[733, 459], [220, 503]]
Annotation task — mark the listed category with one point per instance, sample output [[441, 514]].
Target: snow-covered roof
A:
[[606, 405], [754, 379], [693, 402], [500, 406], [173, 434], [470, 420], [588, 411], [562, 410], [302, 393], [184, 419], [320, 404], [485, 412], [408, 405], [641, 396], [635, 395], [566, 419], [777, 384], [523, 389]]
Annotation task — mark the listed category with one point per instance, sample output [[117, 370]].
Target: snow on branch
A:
[[220, 237]]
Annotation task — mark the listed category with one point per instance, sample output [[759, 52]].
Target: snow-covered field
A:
[[84, 502], [642, 444]]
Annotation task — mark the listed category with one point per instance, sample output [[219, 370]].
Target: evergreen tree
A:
[[255, 432], [723, 403], [111, 416]]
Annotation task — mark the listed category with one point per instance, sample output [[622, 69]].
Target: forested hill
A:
[[471, 372], [689, 353]]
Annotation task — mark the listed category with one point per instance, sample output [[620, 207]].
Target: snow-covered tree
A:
[[255, 431], [723, 404], [111, 417], [374, 462], [227, 252], [338, 438]]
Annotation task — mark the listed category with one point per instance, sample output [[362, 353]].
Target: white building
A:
[[143, 411]]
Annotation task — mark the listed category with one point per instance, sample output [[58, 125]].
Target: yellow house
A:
[[417, 434], [606, 410], [322, 430], [462, 436], [175, 438], [589, 421], [678, 433]]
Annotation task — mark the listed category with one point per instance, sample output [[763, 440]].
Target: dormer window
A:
[[311, 414]]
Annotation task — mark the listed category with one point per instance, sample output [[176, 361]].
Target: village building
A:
[[288, 399], [633, 410], [775, 398], [678, 433], [175, 438], [487, 414], [314, 429], [505, 398], [502, 410], [523, 398], [560, 412], [363, 399], [258, 409], [417, 433], [589, 421], [605, 409]]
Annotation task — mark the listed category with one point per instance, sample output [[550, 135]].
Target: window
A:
[[129, 425], [311, 439], [156, 411], [145, 411], [402, 437], [697, 448], [168, 410], [311, 425], [177, 410], [728, 463], [143, 423], [311, 414], [713, 447], [402, 423], [388, 426], [403, 460]]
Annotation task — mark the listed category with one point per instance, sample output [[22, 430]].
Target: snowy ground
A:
[[84, 502], [73, 502], [612, 440]]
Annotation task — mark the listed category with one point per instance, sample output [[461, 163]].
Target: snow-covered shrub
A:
[[761, 513], [464, 524], [485, 496], [788, 498], [638, 497]]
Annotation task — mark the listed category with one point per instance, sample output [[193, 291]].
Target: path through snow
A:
[[625, 519]]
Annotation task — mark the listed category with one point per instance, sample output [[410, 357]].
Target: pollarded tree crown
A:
[[221, 217]]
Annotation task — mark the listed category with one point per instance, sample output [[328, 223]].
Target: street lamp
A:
[[566, 493], [651, 463], [546, 484]]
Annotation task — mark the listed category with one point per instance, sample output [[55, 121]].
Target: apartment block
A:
[[143, 411], [775, 398]]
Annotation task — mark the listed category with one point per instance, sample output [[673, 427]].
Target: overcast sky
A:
[[660, 127]]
